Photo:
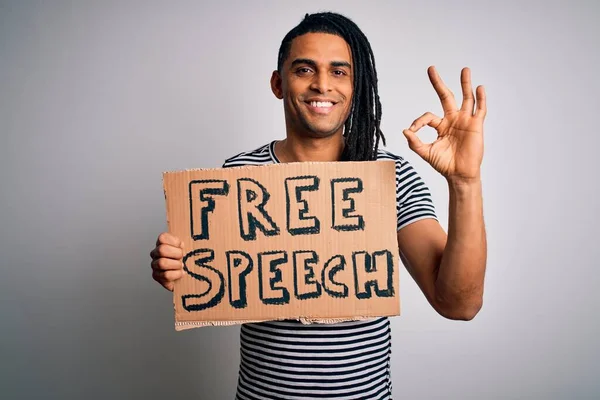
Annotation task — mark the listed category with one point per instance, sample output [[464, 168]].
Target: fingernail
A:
[[412, 127]]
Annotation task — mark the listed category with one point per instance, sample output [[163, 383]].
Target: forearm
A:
[[460, 278]]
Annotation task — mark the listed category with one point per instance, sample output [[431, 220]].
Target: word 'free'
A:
[[252, 197]]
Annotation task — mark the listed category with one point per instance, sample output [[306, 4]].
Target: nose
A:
[[321, 83]]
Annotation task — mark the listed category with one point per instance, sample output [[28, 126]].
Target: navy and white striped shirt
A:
[[346, 360]]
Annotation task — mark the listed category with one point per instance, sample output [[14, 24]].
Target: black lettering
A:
[[252, 197], [295, 219], [239, 264], [340, 214], [201, 192], [371, 276], [204, 273], [305, 285], [332, 267], [269, 293]]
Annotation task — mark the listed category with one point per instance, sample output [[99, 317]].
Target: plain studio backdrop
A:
[[97, 99]]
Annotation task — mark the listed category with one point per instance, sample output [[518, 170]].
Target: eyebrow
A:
[[312, 63]]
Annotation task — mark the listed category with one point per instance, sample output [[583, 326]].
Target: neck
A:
[[300, 149]]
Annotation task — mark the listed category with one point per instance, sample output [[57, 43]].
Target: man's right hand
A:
[[167, 260]]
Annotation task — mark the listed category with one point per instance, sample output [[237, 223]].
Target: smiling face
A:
[[316, 84]]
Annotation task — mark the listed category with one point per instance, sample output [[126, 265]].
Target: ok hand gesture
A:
[[458, 150]]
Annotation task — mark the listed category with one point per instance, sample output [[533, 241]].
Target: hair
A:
[[362, 131]]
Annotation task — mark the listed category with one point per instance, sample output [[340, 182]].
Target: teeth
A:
[[323, 104]]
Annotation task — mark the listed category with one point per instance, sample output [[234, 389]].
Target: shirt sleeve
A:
[[413, 199]]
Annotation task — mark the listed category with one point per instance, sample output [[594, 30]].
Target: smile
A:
[[320, 107]]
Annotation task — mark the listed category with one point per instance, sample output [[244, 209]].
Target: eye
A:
[[303, 71], [339, 72]]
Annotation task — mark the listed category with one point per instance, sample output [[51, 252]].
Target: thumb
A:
[[415, 144]]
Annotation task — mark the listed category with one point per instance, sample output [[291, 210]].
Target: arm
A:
[[450, 269]]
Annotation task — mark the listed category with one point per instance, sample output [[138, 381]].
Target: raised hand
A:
[[458, 150]]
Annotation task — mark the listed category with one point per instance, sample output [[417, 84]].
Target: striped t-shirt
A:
[[347, 360]]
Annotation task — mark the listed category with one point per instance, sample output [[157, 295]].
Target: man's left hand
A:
[[458, 150]]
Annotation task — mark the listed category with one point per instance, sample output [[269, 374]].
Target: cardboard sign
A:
[[312, 241]]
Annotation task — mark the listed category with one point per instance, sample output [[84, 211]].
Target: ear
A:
[[276, 85]]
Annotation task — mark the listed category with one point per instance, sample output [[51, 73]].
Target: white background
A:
[[97, 99]]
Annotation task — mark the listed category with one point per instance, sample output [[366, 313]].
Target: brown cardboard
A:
[[214, 211]]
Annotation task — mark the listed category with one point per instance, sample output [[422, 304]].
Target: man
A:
[[327, 80]]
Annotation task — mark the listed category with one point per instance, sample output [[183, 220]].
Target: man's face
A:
[[316, 84]]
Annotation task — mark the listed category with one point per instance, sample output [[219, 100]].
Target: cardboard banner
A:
[[309, 241]]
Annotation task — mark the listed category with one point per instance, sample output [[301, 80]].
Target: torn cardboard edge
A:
[[303, 163], [185, 325]]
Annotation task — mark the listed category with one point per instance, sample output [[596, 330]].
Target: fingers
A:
[[166, 251], [429, 119], [166, 264], [166, 271], [446, 96], [167, 246], [167, 238], [414, 143], [481, 110], [467, 90], [167, 278]]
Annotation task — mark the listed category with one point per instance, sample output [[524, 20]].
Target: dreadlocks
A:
[[362, 131]]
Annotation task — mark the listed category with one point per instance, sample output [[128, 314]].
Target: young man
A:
[[327, 80]]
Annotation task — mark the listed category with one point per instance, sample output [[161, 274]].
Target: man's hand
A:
[[458, 150], [167, 264]]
